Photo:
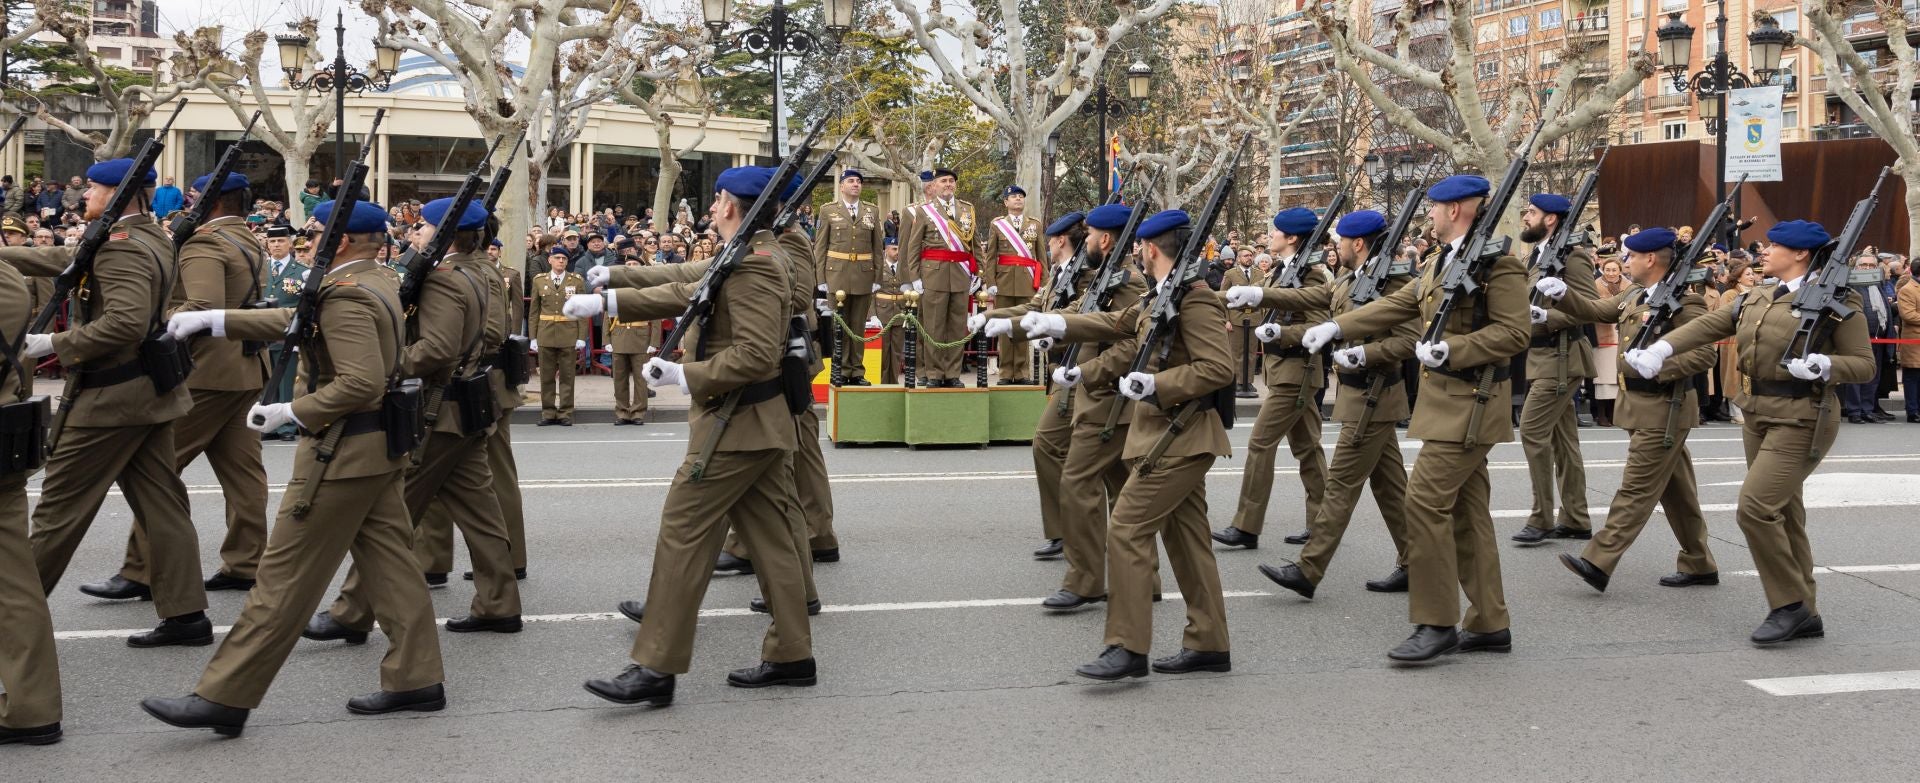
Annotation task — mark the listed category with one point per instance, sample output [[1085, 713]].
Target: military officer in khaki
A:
[[888, 303], [16, 234], [1173, 442], [557, 338], [1371, 398], [739, 465], [847, 245], [1011, 257], [939, 254], [631, 343], [29, 667], [1240, 323], [1790, 414], [1657, 414], [349, 500], [1449, 521], [222, 267], [433, 540], [1558, 359], [1292, 376], [117, 429]]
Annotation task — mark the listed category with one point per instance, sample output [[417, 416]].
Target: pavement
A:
[[937, 664]]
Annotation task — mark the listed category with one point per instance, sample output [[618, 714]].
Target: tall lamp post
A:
[[1711, 86], [1390, 175], [339, 79], [1103, 105], [778, 38]]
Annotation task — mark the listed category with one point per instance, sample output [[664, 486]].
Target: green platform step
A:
[[925, 417]]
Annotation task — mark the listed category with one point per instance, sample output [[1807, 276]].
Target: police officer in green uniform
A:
[[285, 275]]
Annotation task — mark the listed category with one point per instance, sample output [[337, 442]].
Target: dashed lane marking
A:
[[1820, 684]]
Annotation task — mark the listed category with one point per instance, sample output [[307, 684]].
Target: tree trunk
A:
[[1910, 171], [663, 186], [1274, 173], [1026, 172], [296, 170]]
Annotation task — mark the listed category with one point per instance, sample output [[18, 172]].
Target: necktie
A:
[[1780, 291]]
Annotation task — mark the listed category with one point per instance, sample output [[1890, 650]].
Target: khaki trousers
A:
[[1170, 502], [1091, 481], [557, 366], [1450, 539], [813, 491], [1550, 436], [1050, 449], [1655, 473], [753, 489], [1361, 457], [1779, 458], [855, 314], [1016, 356], [629, 389], [365, 516], [893, 356], [944, 313], [29, 668], [140, 460], [217, 427], [433, 531], [1281, 415]]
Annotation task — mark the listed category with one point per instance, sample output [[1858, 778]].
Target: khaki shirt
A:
[[1384, 354], [847, 249], [1761, 334], [16, 313], [1639, 410], [551, 328], [920, 234], [222, 267], [1543, 361], [1281, 369], [1196, 366], [1013, 280]]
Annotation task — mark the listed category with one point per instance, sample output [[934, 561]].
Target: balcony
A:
[[1666, 102], [1851, 130], [1592, 24], [1788, 82], [1302, 51], [1867, 26]]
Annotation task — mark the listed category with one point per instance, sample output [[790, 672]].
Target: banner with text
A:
[[1753, 137]]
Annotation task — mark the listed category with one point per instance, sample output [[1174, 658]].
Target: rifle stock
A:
[[1464, 272], [417, 261], [1821, 302], [184, 225], [1663, 302]]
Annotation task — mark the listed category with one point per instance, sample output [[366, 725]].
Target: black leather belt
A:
[[1501, 372], [112, 376], [750, 394], [1364, 380], [1790, 389], [1647, 386], [359, 423]]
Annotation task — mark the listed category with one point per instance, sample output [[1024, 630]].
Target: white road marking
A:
[[1863, 569], [599, 616], [1839, 683]]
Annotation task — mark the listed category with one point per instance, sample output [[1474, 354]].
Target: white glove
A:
[[37, 345], [584, 306], [184, 325], [1040, 325], [652, 350], [876, 288], [975, 321], [1266, 333], [1066, 377], [993, 290], [917, 287], [1647, 361], [533, 345], [579, 344], [1317, 337], [1432, 354], [1816, 367], [1537, 314], [1350, 358], [999, 327], [823, 307], [1242, 296], [267, 418], [1551, 287], [973, 284], [598, 276], [661, 373], [1137, 386]]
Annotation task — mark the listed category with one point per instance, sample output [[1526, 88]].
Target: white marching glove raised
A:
[[1266, 333], [579, 344], [584, 306], [267, 418], [598, 276], [975, 321], [1040, 325], [36, 346], [1350, 358], [1647, 361], [1432, 354], [661, 373], [1551, 287], [1066, 377], [998, 327], [1243, 296], [1319, 335], [993, 290], [1137, 386], [1816, 367], [1536, 314], [184, 325]]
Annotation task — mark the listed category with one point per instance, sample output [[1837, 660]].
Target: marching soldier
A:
[[1169, 456], [940, 262], [1012, 253], [1371, 399], [739, 465], [1449, 522], [346, 500], [1657, 414], [285, 275], [1240, 328], [1558, 360], [889, 302], [558, 338], [117, 429], [1292, 376], [1789, 417], [847, 247], [434, 539], [29, 667]]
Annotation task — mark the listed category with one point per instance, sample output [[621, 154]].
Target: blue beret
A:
[[793, 186], [926, 176], [1109, 217], [367, 216], [234, 181], [1720, 247], [1012, 190], [1162, 222], [1458, 187], [111, 172], [1065, 223], [557, 251], [1298, 221], [1361, 223], [852, 174], [744, 181], [495, 242], [1652, 239], [473, 217], [1552, 203], [1798, 234]]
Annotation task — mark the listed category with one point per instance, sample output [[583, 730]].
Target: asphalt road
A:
[[936, 664]]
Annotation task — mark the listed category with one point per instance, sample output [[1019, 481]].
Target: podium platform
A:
[[933, 417]]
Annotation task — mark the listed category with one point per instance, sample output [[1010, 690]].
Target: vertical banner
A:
[[1113, 164], [1753, 135]]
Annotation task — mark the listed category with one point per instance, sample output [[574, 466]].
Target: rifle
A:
[[1060, 294], [1466, 269], [1821, 302], [417, 261], [1111, 274], [1553, 254], [496, 186], [102, 227], [1371, 283], [1292, 275], [1663, 300], [184, 225]]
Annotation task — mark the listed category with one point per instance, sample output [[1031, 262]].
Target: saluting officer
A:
[[29, 667], [346, 500], [848, 241], [1657, 414], [1012, 257], [1450, 543], [1789, 416], [940, 262], [118, 430], [1372, 398], [558, 338], [285, 274], [1289, 411], [1558, 359]]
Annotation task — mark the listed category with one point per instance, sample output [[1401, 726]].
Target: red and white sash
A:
[[947, 234], [1023, 256]]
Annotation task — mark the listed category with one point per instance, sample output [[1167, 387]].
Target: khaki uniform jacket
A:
[[1197, 365], [221, 268], [1449, 401], [112, 312], [15, 295], [1638, 410], [742, 344], [1094, 402], [1012, 280], [550, 327], [506, 313], [449, 330], [1542, 362], [919, 234], [1761, 334], [1302, 371], [1384, 354], [358, 351], [847, 249]]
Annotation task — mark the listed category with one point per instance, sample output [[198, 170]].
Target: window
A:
[[1517, 25], [107, 52], [1550, 19], [1789, 19], [1672, 130], [1670, 6], [1487, 70], [1666, 85], [1488, 33], [1709, 43], [1636, 137], [1790, 118], [1636, 9]]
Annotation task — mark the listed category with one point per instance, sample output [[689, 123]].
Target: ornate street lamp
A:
[[339, 79], [775, 40]]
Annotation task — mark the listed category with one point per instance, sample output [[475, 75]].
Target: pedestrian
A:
[[30, 711], [1011, 251], [846, 255], [167, 198]]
